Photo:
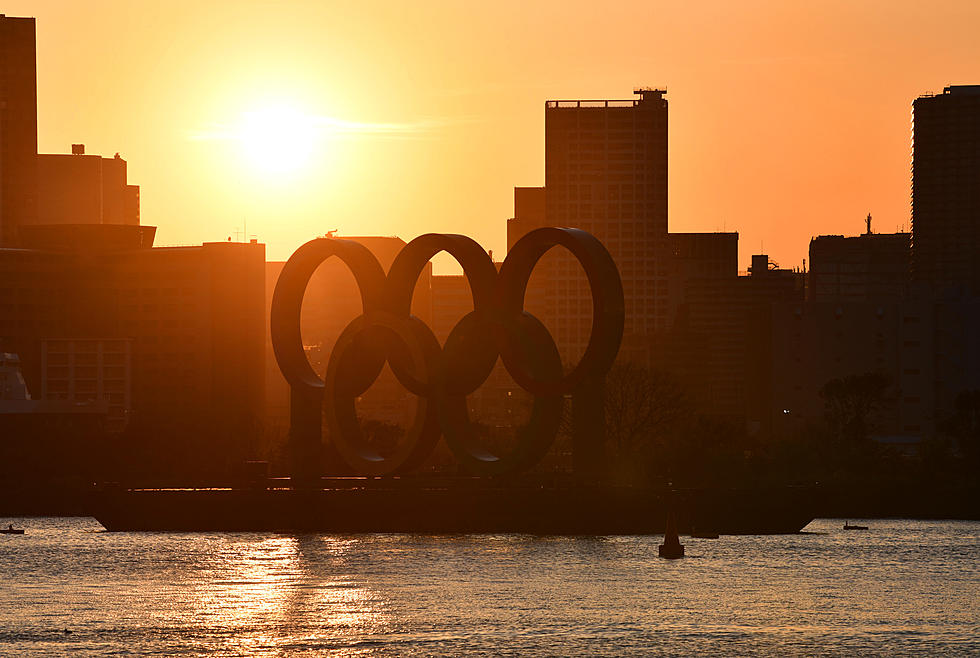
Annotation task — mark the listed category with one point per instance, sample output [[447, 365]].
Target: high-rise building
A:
[[946, 190], [606, 164], [18, 126], [606, 173]]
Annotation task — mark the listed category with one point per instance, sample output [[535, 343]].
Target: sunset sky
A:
[[787, 119]]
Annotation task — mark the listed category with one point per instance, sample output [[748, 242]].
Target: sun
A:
[[277, 139]]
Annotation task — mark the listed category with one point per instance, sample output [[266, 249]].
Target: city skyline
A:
[[783, 126], [410, 329]]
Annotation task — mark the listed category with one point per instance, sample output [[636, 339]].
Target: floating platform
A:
[[434, 507]]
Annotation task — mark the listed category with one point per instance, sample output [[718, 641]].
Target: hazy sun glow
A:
[[277, 140], [441, 104]]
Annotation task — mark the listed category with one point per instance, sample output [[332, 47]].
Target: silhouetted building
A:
[[18, 126], [816, 342], [702, 260], [166, 343], [170, 337], [529, 213], [721, 346], [606, 164], [687, 310], [945, 190], [606, 173], [49, 188], [85, 189], [865, 268], [703, 255]]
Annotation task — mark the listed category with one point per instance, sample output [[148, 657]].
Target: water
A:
[[904, 587]]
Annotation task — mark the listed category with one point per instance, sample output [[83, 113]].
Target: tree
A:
[[852, 404], [644, 410], [964, 425], [640, 405]]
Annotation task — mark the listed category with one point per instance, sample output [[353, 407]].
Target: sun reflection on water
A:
[[287, 593], [908, 587]]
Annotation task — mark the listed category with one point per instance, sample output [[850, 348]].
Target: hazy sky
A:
[[787, 119]]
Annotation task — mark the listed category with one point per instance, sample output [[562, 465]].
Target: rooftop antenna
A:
[[868, 220]]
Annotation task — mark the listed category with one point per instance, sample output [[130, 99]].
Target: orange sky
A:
[[786, 119]]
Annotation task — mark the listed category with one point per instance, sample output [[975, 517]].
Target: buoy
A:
[[672, 548]]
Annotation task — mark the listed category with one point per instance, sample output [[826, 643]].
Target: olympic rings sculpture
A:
[[441, 376]]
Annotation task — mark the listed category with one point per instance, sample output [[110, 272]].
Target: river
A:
[[902, 587]]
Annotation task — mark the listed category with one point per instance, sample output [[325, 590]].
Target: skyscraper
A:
[[946, 190], [18, 126], [606, 173], [606, 162]]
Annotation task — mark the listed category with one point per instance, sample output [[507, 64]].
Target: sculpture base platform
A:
[[430, 507]]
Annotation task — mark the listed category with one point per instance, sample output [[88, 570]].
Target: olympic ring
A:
[[441, 376], [340, 393]]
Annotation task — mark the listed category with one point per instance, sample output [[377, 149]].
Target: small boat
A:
[[11, 531], [849, 526]]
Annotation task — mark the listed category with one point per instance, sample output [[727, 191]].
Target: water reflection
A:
[[287, 593], [907, 587]]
